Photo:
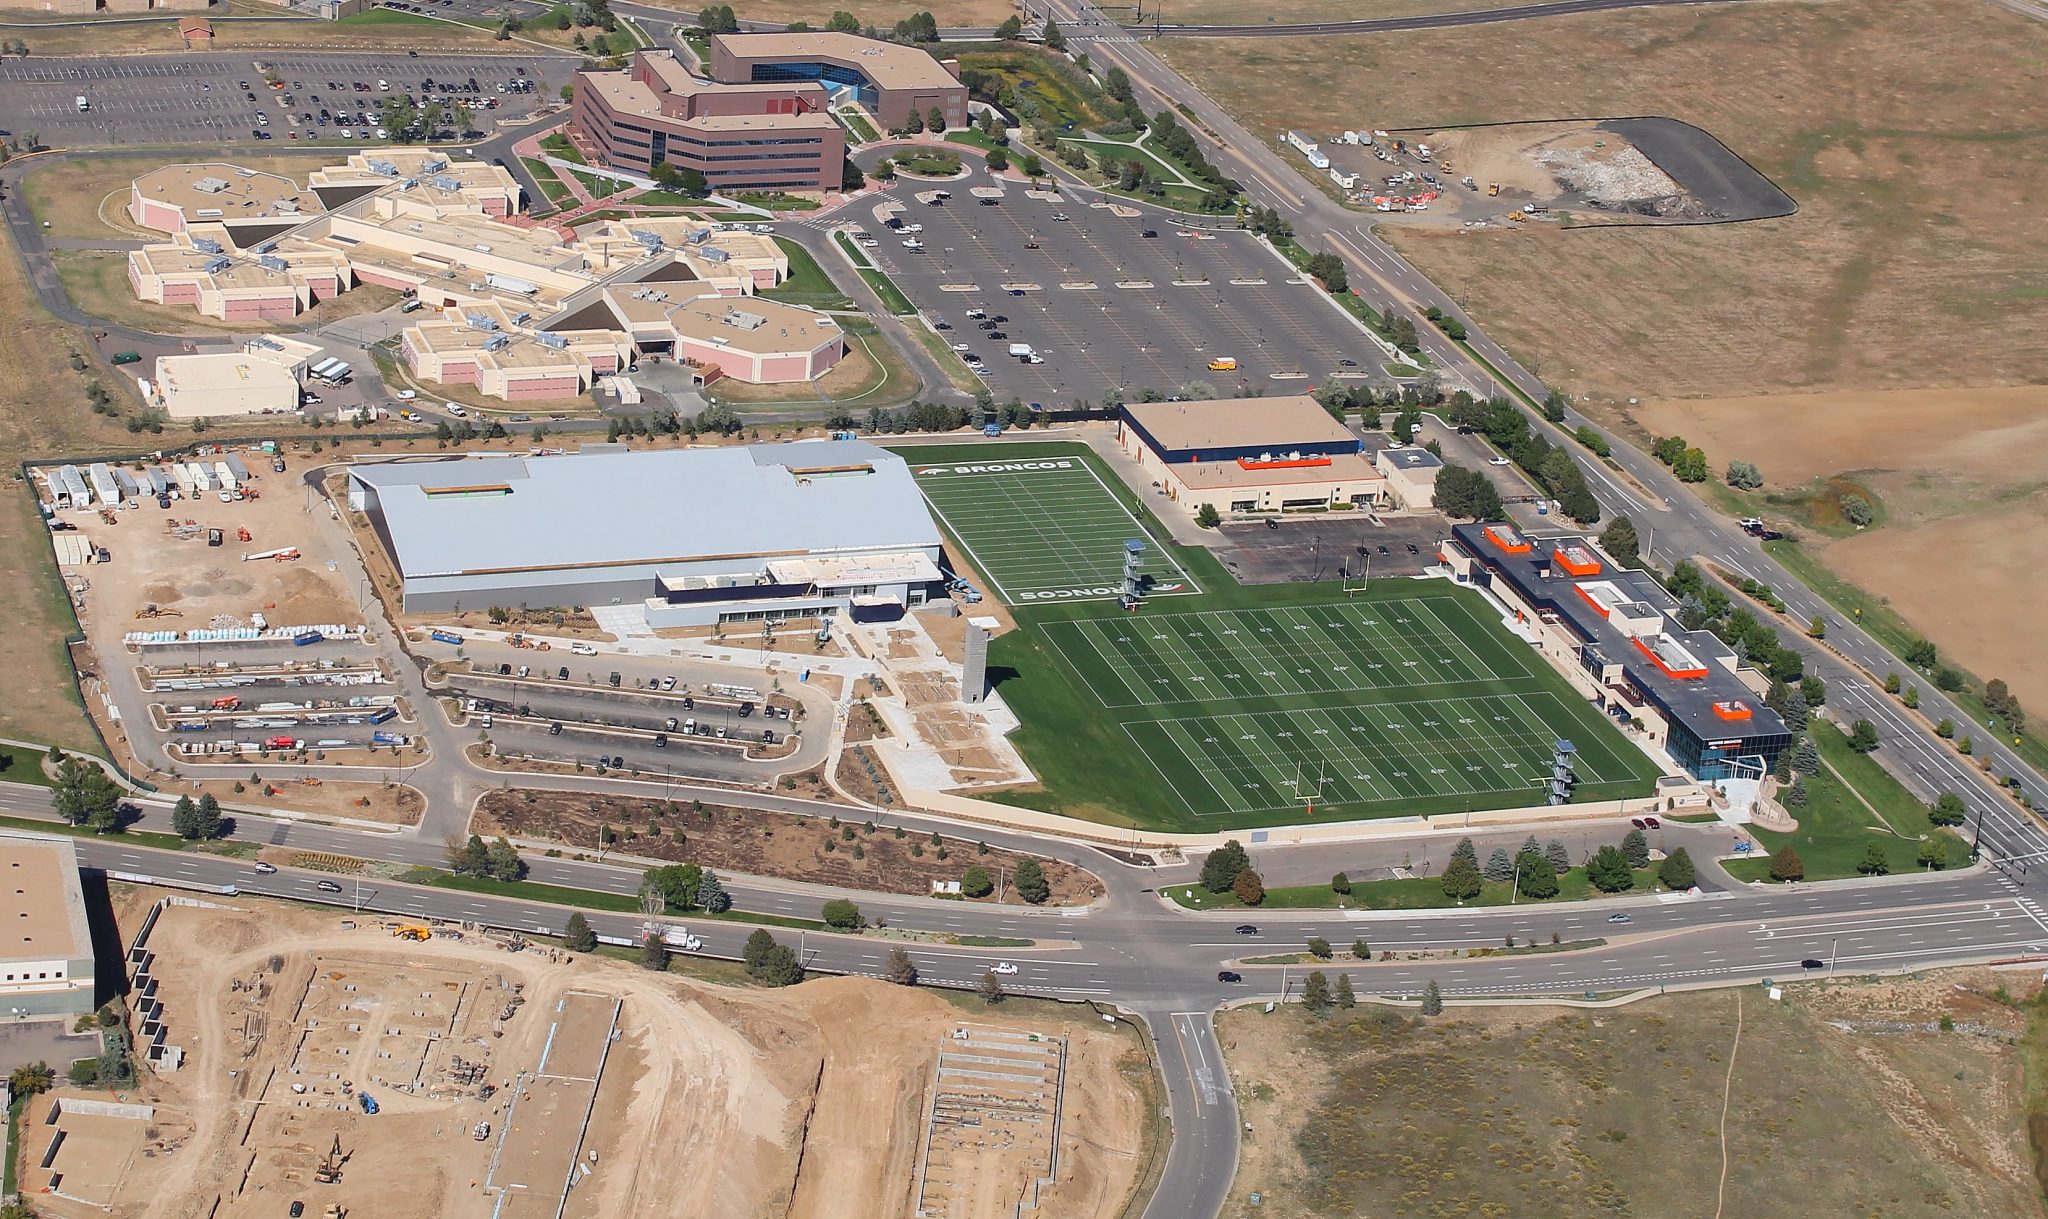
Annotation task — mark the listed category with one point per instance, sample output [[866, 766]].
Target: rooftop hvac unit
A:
[[378, 166], [408, 184], [287, 206], [480, 321], [206, 245], [265, 247], [498, 342], [512, 283], [271, 262], [521, 318], [444, 182], [700, 236], [712, 253], [266, 343], [210, 186], [214, 265], [651, 240], [433, 165], [553, 341], [742, 320]]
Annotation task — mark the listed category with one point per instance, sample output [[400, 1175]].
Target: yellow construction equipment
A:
[[1492, 189], [412, 933]]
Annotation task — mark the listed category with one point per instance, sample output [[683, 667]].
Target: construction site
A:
[[376, 1068]]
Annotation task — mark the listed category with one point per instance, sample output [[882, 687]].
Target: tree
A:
[[1863, 736], [1857, 511], [1534, 877], [1220, 868], [1934, 853], [1677, 871], [1875, 861], [502, 862], [779, 967], [1609, 871], [577, 935], [653, 953], [1361, 950], [843, 22], [1559, 859], [1744, 475], [1636, 849], [1948, 810], [711, 894], [975, 882], [1328, 268], [1796, 795], [1315, 992], [30, 1079], [1892, 683], [1012, 28], [85, 795], [1806, 757], [1500, 868], [1117, 84], [1320, 949], [1345, 997], [935, 121], [1818, 628], [1464, 850], [1945, 729], [913, 123], [1031, 883], [1461, 879], [899, 968], [1786, 864], [1691, 466], [841, 914], [1619, 539], [472, 858], [1053, 37], [1793, 709], [1340, 883], [1207, 517], [1031, 166], [185, 818], [990, 988], [677, 883], [1432, 999], [1911, 697], [998, 160], [1467, 493], [1248, 888], [756, 949]]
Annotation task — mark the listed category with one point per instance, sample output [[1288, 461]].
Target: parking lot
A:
[[1106, 306], [223, 98]]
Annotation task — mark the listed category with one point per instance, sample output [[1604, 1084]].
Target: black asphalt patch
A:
[[1334, 546], [1727, 186]]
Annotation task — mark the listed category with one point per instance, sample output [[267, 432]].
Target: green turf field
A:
[[1041, 528], [1232, 706]]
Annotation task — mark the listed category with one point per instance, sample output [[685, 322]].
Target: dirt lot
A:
[[1918, 256], [1536, 1111], [1960, 473], [1235, 12], [761, 843], [711, 1101], [154, 37], [879, 12]]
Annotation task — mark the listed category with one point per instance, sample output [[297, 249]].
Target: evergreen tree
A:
[[1875, 862], [1863, 736], [577, 935], [1500, 868], [1806, 757], [472, 858], [756, 950], [1677, 871], [208, 821], [899, 968], [1529, 845], [1315, 992], [1559, 858], [1346, 998], [1467, 852], [1031, 883], [1432, 999], [84, 795], [653, 953], [1793, 710], [184, 818], [1636, 849], [1340, 883], [1795, 795], [711, 893], [1220, 869], [779, 967]]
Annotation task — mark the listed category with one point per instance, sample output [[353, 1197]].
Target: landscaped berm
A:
[[1230, 706]]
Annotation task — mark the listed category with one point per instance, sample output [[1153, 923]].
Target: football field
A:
[[1043, 529], [1407, 701]]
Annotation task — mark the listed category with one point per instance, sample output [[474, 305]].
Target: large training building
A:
[[1251, 455], [762, 120], [697, 537], [1617, 628], [46, 958]]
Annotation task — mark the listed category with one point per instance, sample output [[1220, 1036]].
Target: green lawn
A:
[[807, 283], [931, 163], [1416, 893], [1057, 87], [1836, 828], [777, 202], [22, 766], [599, 187], [1219, 706], [863, 131], [553, 187], [558, 145], [972, 138]]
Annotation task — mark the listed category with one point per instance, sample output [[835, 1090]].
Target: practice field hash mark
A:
[[1045, 529], [1345, 757], [1219, 655]]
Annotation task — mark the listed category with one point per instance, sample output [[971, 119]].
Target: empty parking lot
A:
[[154, 99], [1107, 307]]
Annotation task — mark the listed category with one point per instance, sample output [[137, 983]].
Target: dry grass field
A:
[[883, 13], [88, 199], [1914, 147], [161, 37], [1538, 1112], [1237, 12]]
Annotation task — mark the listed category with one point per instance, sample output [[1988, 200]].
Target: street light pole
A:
[[1833, 944]]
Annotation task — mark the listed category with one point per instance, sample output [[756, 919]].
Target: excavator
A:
[[412, 933]]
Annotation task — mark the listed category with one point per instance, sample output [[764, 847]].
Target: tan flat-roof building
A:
[[220, 384], [1245, 456], [888, 79], [46, 957], [171, 198]]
